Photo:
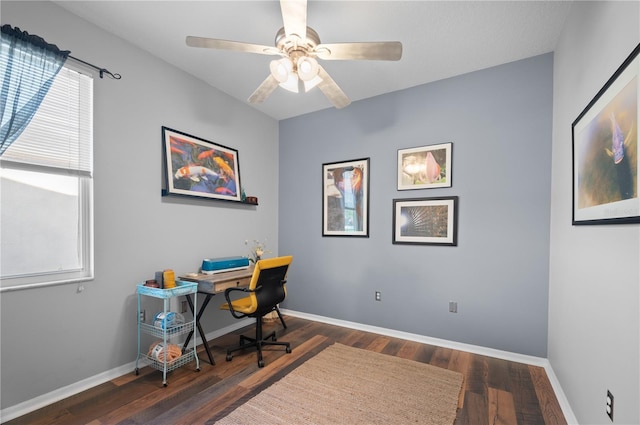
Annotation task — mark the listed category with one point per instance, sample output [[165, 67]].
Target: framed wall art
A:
[[198, 167], [424, 167], [605, 151], [426, 221], [345, 198]]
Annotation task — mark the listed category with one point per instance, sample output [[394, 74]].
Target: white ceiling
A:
[[440, 39]]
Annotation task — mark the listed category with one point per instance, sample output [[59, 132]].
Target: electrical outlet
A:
[[378, 296], [610, 405], [453, 306], [142, 316]]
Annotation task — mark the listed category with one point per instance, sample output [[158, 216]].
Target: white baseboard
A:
[[36, 403], [475, 349], [39, 402]]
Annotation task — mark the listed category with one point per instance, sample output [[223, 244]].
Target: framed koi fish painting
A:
[[425, 167], [198, 167], [605, 151], [345, 198]]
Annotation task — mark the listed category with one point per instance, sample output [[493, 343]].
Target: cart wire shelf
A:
[[171, 331], [185, 358]]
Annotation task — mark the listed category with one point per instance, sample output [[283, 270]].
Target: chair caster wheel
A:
[[137, 372], [288, 350], [198, 370], [260, 363], [165, 384], [229, 357]]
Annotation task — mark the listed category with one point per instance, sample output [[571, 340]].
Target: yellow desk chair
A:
[[266, 290]]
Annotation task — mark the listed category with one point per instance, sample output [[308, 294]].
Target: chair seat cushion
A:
[[242, 305]]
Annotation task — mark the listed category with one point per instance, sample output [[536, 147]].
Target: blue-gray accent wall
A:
[[500, 123]]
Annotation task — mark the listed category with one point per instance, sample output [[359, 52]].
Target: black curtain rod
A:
[[35, 40], [101, 70]]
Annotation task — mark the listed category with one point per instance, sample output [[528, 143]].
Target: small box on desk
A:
[[224, 264]]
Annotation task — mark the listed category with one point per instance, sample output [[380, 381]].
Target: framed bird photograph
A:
[[200, 168], [425, 167], [426, 221], [605, 151], [345, 198]]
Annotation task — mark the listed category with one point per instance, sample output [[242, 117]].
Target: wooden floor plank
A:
[[494, 391], [378, 344], [441, 357], [551, 410], [461, 362], [501, 408], [408, 350]]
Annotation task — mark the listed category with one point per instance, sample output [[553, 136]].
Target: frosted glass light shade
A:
[[307, 68], [291, 84], [281, 69]]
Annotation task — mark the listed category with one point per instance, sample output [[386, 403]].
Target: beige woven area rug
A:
[[346, 385]]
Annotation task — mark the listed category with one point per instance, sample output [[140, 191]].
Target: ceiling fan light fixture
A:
[[291, 83], [307, 68], [281, 69]]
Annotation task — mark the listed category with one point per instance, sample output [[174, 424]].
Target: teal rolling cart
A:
[[159, 358]]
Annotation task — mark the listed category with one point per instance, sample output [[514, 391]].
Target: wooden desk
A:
[[217, 282], [209, 285]]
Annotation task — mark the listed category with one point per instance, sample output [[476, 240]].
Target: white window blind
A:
[[61, 133], [46, 192]]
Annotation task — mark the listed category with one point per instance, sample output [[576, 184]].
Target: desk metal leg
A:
[[281, 318], [200, 331]]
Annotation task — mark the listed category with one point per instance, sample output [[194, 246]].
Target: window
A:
[[46, 191]]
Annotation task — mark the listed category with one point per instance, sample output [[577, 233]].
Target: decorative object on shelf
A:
[[166, 320], [251, 200], [161, 352], [152, 283], [257, 250], [425, 167], [426, 221], [168, 279], [159, 278], [345, 198], [605, 151], [198, 167]]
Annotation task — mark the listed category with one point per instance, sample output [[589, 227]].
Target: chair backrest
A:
[[267, 283]]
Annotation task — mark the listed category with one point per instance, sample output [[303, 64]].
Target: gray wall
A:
[[499, 121], [55, 337], [594, 322]]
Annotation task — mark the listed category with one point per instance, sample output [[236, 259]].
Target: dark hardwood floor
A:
[[494, 391]]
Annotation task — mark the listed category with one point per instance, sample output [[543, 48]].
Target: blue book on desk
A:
[[224, 264]]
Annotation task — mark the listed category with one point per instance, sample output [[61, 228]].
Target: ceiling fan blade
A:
[[294, 16], [215, 43], [331, 90], [384, 50], [264, 90]]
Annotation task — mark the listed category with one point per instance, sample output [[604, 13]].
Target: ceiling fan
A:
[[299, 46]]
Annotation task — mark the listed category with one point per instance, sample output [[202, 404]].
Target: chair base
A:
[[258, 343]]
